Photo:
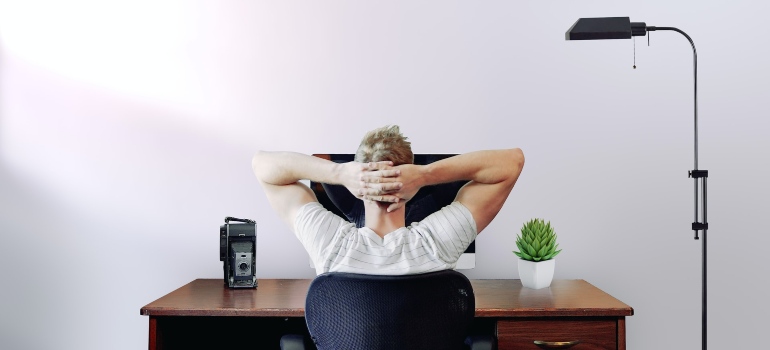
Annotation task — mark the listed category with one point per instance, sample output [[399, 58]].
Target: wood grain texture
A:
[[508, 298], [593, 333], [209, 297], [155, 340], [286, 298], [622, 333], [204, 309]]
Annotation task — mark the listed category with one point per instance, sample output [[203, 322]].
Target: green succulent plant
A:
[[537, 242]]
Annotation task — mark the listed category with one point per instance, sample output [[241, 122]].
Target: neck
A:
[[380, 221]]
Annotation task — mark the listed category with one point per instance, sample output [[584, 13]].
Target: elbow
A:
[[517, 159], [515, 163], [256, 163]]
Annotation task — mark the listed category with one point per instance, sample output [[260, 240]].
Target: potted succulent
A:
[[537, 249]]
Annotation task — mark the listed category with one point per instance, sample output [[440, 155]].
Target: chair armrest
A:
[[481, 342], [292, 342]]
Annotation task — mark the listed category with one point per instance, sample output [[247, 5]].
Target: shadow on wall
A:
[[103, 191], [28, 256]]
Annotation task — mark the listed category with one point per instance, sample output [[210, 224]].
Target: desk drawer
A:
[[593, 333]]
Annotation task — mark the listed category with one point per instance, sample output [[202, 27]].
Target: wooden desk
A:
[[206, 311]]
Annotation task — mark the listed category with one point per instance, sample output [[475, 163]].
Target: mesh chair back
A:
[[427, 311]]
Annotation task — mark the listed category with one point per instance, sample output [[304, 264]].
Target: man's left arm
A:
[[280, 173]]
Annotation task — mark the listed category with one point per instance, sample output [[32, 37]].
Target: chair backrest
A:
[[426, 311]]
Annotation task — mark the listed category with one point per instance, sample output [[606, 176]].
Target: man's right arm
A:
[[488, 190], [491, 175]]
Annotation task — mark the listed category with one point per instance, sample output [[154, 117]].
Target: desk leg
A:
[[621, 333], [156, 335]]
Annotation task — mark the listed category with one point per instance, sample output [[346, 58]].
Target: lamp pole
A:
[[700, 177], [623, 28], [696, 175]]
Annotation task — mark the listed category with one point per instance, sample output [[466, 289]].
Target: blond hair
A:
[[385, 143]]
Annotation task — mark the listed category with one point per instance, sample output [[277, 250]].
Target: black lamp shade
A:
[[605, 28]]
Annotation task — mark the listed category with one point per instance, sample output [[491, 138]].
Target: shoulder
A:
[[314, 213], [310, 207], [447, 232], [318, 229], [312, 218], [455, 214]]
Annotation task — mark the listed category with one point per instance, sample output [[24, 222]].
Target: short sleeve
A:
[[451, 230], [317, 229]]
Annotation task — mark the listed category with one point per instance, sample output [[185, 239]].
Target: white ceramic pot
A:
[[536, 275]]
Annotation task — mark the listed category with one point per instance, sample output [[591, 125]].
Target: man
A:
[[384, 177]]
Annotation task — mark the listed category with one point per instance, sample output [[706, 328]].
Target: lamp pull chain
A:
[[648, 44]]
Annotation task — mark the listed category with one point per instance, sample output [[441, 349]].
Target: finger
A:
[[377, 179], [382, 198], [390, 187], [372, 197], [395, 206], [379, 165], [378, 190], [364, 192], [370, 191], [382, 188], [385, 173]]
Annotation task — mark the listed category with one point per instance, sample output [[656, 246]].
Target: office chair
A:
[[426, 311]]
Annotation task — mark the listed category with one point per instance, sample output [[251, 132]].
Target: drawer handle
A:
[[556, 344]]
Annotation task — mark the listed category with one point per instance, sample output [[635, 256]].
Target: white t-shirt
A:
[[336, 245]]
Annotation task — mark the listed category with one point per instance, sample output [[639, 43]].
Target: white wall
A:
[[126, 131]]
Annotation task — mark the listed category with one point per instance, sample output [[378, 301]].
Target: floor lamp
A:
[[623, 28]]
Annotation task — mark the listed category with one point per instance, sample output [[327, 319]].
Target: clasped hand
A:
[[382, 182]]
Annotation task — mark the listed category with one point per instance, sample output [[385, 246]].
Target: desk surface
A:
[[286, 298]]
